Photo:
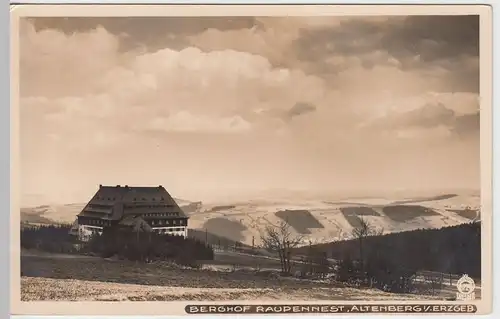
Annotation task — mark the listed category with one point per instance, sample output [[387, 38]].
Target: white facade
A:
[[176, 231], [85, 232]]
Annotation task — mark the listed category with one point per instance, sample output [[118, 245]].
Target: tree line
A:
[[124, 243], [150, 246], [453, 249], [386, 261]]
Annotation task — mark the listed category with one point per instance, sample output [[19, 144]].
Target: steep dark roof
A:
[[115, 202]]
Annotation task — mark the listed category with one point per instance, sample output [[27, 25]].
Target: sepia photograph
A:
[[262, 155]]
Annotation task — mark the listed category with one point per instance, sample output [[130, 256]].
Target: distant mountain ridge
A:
[[316, 220]]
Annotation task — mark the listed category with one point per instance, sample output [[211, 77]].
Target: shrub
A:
[[150, 246], [49, 238]]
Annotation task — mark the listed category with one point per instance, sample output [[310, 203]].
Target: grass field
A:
[[46, 276], [74, 278]]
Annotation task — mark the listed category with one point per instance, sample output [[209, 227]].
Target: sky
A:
[[211, 107]]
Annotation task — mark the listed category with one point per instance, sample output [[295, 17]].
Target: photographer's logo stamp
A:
[[466, 288]]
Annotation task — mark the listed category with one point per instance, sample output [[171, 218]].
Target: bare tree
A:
[[364, 229], [280, 240]]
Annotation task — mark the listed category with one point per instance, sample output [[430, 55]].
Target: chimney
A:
[[160, 186], [117, 185], [100, 185], [126, 186]]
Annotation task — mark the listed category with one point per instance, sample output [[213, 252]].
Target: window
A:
[[175, 222], [167, 222]]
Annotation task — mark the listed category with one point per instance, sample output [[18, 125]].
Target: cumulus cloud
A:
[[233, 75], [187, 89], [143, 87], [449, 44], [442, 114]]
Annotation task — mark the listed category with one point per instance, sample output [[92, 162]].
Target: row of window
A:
[[91, 231], [99, 206], [167, 222], [105, 198], [161, 214], [99, 222], [164, 231], [147, 206], [135, 198]]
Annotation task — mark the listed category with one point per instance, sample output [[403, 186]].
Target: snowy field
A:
[[75, 278], [316, 220]]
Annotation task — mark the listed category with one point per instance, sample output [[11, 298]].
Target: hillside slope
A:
[[316, 220]]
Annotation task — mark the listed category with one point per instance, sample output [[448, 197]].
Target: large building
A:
[[125, 205]]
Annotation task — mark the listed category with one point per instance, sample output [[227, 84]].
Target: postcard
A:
[[251, 159]]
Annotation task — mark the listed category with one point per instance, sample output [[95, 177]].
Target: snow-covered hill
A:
[[316, 220]]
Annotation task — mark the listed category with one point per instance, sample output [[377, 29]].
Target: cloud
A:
[[299, 109], [225, 90], [186, 122], [449, 44], [54, 64], [239, 69], [434, 38], [432, 114], [467, 124], [137, 32], [168, 90]]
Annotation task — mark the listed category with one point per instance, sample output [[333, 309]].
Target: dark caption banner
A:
[[305, 309]]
